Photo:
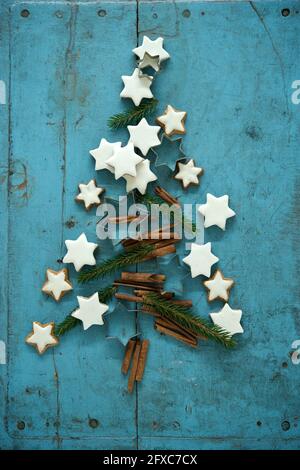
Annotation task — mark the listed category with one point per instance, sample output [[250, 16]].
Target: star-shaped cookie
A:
[[42, 336], [143, 176], [57, 283], [218, 286], [124, 161], [228, 319], [90, 311], [143, 136], [89, 194], [188, 173], [216, 211], [136, 86], [149, 61], [153, 48], [80, 252], [200, 259], [172, 121], [104, 152]]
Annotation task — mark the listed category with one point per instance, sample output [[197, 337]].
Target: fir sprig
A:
[[133, 115], [69, 322], [131, 256], [184, 316]]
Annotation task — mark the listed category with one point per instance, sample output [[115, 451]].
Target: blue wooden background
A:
[[231, 69]]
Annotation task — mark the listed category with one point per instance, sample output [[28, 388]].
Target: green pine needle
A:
[[109, 266], [105, 295], [184, 316], [133, 115], [67, 324]]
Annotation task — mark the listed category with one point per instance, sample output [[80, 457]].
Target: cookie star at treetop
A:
[[172, 121], [57, 283], [153, 48], [228, 319], [124, 161], [200, 259], [218, 286], [188, 173], [89, 194], [143, 176], [216, 211], [42, 336], [136, 86], [90, 311], [104, 152], [80, 252], [143, 136]]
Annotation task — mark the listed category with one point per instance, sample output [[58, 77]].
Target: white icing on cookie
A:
[[89, 194], [57, 283], [144, 136], [42, 336], [188, 173], [143, 176], [200, 259], [104, 152], [216, 211], [172, 121], [228, 319], [124, 161], [153, 48], [90, 311], [136, 86], [80, 252], [218, 286]]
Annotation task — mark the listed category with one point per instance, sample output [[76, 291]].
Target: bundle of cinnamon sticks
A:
[[143, 283], [136, 356]]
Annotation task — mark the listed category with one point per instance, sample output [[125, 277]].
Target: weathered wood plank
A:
[[231, 69]]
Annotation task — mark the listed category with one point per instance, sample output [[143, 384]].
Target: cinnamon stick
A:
[[134, 366], [129, 298], [138, 286], [143, 277], [175, 327], [166, 250], [165, 295], [123, 219], [163, 194], [128, 355], [184, 303], [179, 337], [142, 360]]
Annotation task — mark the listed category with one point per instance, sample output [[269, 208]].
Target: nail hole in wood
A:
[[93, 423], [186, 13], [155, 15], [25, 13], [285, 12], [259, 423], [102, 13], [20, 425], [285, 425], [59, 14]]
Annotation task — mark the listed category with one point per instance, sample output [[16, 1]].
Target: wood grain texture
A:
[[231, 69]]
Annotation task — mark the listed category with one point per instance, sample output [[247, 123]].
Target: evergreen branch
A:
[[184, 316], [133, 115], [131, 256], [105, 295], [67, 324]]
